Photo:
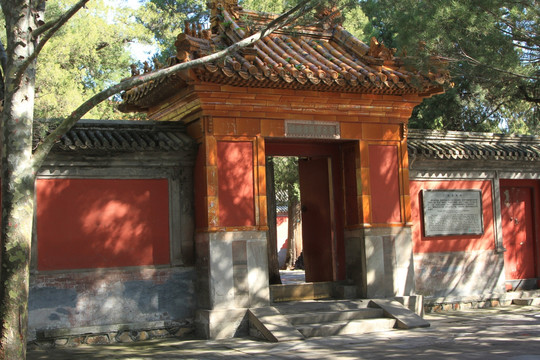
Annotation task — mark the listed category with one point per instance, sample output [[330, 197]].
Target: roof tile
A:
[[311, 58], [472, 146], [124, 136]]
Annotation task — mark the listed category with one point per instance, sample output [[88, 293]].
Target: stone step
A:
[[526, 301], [295, 307], [347, 327], [334, 316], [405, 318], [269, 324], [298, 292], [291, 320]]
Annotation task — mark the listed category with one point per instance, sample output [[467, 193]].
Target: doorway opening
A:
[[286, 219], [303, 183]]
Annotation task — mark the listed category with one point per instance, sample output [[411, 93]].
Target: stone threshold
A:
[[110, 334], [453, 303]]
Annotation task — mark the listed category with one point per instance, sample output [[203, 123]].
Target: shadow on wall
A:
[[112, 296], [456, 265], [459, 273], [236, 184], [97, 223], [95, 234]]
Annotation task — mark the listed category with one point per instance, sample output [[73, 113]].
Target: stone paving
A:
[[511, 332]]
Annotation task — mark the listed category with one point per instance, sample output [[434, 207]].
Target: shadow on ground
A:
[[497, 333]]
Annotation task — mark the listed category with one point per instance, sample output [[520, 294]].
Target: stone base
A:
[[380, 261], [222, 323], [475, 301], [415, 303], [109, 334], [521, 285]]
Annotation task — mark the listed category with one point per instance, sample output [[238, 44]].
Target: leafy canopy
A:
[[89, 53], [164, 19], [493, 50]]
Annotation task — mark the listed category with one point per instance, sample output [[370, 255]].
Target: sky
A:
[[140, 52]]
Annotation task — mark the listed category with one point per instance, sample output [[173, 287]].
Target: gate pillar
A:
[[232, 261]]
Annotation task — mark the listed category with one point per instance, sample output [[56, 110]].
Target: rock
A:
[[61, 342], [124, 337], [159, 333], [143, 335], [97, 340], [183, 331]]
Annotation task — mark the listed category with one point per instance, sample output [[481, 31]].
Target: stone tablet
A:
[[452, 212]]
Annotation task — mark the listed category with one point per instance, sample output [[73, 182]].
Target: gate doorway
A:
[[319, 172], [519, 235]]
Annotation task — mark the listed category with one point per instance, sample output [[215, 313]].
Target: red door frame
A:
[[332, 151]]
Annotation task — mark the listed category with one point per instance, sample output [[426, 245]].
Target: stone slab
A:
[[406, 319], [527, 301], [345, 291], [100, 329], [414, 303], [297, 292], [221, 323], [348, 327], [273, 325]]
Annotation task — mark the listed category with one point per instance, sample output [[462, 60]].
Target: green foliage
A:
[[266, 6], [286, 178], [493, 50], [87, 54], [165, 20], [355, 21]]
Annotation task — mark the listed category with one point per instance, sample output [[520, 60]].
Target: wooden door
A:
[[518, 238], [317, 212]]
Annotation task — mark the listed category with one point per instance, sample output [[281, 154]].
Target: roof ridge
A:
[[452, 135], [323, 58]]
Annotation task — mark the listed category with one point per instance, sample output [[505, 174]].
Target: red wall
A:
[[200, 184], [384, 180], [423, 244], [235, 177], [97, 223], [350, 187]]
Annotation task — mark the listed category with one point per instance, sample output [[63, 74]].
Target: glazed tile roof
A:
[[124, 136], [324, 58], [454, 145]]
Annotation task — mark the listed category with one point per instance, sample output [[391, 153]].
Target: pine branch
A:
[[476, 62], [44, 148], [518, 33], [528, 97]]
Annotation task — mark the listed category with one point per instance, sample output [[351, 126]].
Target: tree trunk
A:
[[273, 262], [293, 216], [17, 180]]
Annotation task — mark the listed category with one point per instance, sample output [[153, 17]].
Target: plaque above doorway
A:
[[312, 129]]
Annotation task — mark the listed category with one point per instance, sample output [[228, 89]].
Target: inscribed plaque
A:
[[452, 212], [312, 129]]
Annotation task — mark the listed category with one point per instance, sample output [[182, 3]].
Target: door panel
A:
[[317, 231], [517, 224]]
